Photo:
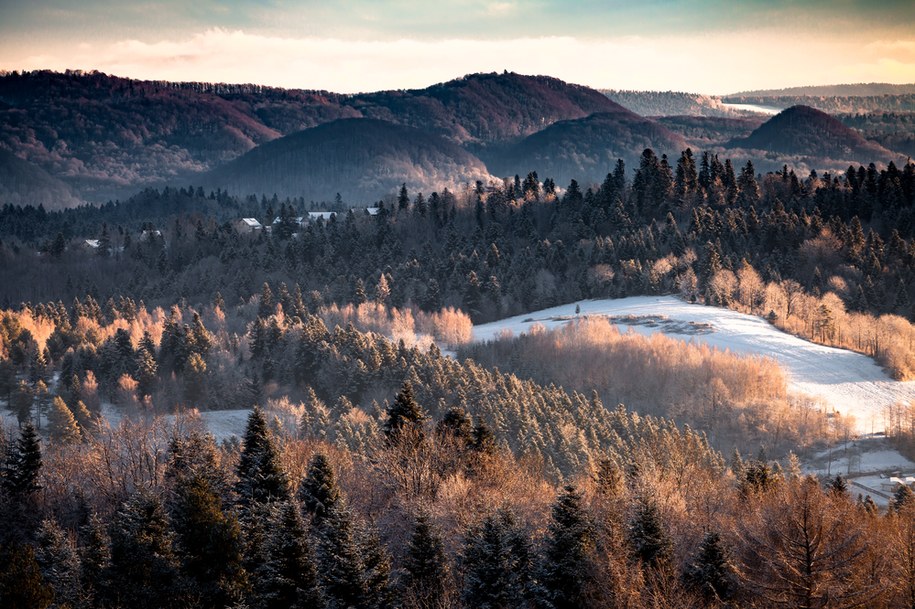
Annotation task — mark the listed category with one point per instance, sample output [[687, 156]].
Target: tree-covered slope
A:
[[362, 159], [585, 149], [805, 131]]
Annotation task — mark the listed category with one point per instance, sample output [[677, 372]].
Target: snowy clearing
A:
[[848, 382]]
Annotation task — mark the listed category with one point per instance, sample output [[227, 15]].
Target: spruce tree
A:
[[403, 413], [427, 575], [340, 559], [61, 423], [83, 418], [648, 538], [23, 464], [208, 541], [376, 569], [21, 401], [144, 568], [567, 558], [286, 577], [902, 497], [21, 583], [260, 477], [497, 563], [95, 559], [59, 562], [710, 572], [318, 492]]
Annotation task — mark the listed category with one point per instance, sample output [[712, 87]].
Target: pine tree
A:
[[59, 562], [340, 559], [318, 492], [23, 464], [648, 537], [710, 571], [144, 568], [497, 563], [427, 577], [565, 577], [260, 477], [208, 541], [286, 577], [403, 413], [61, 423]]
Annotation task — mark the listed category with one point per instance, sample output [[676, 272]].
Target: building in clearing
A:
[[247, 226]]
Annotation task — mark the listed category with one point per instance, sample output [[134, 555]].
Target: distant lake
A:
[[754, 108]]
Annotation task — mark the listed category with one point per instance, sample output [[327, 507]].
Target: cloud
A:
[[717, 63]]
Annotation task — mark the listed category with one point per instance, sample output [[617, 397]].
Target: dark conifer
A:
[[710, 572], [403, 413], [260, 477], [566, 571], [496, 563], [318, 492], [23, 464], [208, 540], [648, 538], [286, 577], [144, 568], [427, 574]]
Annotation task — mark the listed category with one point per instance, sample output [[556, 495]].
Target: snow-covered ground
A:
[[868, 463], [848, 382]]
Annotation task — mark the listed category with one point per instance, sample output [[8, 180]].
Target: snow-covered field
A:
[[848, 382]]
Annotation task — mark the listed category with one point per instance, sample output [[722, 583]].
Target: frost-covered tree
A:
[[260, 476], [62, 424], [426, 582], [567, 557]]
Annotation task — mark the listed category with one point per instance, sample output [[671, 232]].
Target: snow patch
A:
[[847, 382]]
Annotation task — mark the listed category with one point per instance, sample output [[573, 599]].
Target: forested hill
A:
[[670, 103], [357, 158], [486, 109], [107, 137], [848, 90], [583, 149], [804, 131]]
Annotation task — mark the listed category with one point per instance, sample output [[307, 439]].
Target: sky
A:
[[703, 46]]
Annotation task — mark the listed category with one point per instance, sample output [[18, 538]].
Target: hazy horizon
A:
[[709, 46]]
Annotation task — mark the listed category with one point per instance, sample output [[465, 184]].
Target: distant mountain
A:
[[362, 159], [852, 90], [807, 132], [833, 104], [24, 183], [107, 136], [486, 109], [587, 149], [671, 103]]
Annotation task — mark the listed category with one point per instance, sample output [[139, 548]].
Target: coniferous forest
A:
[[386, 460]]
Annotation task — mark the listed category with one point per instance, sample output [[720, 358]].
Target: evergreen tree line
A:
[[495, 250], [233, 526]]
